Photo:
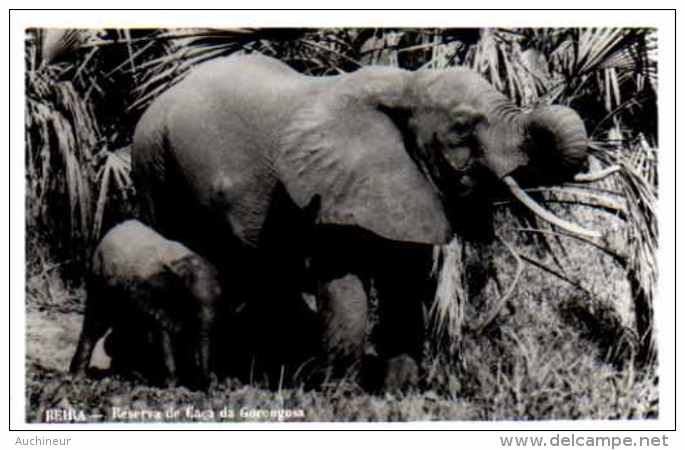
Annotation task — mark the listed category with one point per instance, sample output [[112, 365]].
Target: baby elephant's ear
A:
[[183, 269], [465, 118]]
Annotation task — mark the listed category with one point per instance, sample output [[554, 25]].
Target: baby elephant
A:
[[159, 298]]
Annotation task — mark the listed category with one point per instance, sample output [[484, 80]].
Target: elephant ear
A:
[[184, 270], [353, 156]]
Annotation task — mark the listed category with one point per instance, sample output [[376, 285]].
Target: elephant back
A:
[[202, 151], [132, 251]]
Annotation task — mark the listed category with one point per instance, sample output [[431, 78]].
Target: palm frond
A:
[[114, 179], [447, 312], [57, 43], [60, 138], [186, 48], [638, 181]]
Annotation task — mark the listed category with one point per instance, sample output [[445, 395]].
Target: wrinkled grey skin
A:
[[401, 161], [159, 298]]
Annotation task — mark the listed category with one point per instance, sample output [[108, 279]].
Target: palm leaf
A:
[[114, 179]]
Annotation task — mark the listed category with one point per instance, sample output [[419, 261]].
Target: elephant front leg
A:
[[344, 309], [402, 283]]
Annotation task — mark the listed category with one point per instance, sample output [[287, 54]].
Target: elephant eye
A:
[[458, 156]]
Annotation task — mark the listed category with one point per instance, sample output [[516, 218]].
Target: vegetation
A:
[[574, 337]]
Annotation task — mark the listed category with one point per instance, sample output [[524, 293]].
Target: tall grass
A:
[[62, 136]]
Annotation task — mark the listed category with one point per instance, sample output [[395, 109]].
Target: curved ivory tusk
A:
[[594, 176], [543, 213]]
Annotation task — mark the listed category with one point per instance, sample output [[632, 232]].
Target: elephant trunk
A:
[[555, 142]]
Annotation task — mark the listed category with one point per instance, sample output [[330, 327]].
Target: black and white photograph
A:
[[341, 224]]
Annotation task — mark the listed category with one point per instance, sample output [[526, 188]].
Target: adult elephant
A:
[[396, 161]]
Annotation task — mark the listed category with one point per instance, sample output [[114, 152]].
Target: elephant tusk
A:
[[594, 176], [543, 213]]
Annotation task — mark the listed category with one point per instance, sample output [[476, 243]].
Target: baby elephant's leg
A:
[[200, 301], [96, 322], [170, 377]]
